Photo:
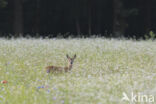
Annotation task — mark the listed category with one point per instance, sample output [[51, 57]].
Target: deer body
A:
[[61, 69]]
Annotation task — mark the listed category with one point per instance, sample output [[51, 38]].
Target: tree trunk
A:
[[78, 25], [36, 24], [89, 17], [99, 15], [119, 22], [77, 16], [147, 15], [18, 18]]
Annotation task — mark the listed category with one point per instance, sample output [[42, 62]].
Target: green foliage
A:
[[150, 36], [3, 3]]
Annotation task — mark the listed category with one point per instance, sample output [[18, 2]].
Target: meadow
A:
[[102, 71]]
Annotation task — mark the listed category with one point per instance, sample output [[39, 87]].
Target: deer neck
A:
[[70, 66]]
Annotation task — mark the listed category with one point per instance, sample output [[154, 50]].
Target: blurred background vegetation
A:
[[109, 18]]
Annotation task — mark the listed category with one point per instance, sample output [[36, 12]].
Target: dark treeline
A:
[[78, 17]]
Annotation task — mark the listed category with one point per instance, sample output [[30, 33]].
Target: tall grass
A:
[[102, 71]]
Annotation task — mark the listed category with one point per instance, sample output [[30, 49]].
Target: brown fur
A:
[[61, 69]]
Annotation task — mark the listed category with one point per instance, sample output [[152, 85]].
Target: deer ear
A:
[[74, 56], [67, 56]]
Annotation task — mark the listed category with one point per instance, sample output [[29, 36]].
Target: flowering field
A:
[[102, 71]]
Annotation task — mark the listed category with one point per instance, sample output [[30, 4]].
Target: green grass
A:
[[102, 71]]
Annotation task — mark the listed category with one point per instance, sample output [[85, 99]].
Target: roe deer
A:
[[60, 69]]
